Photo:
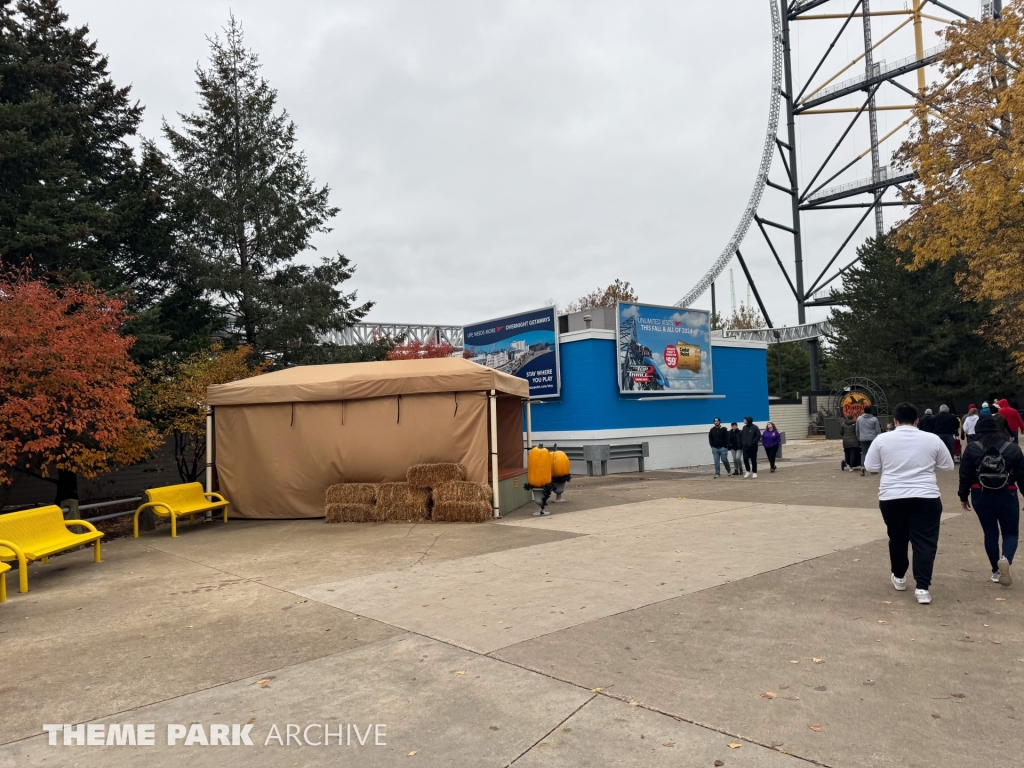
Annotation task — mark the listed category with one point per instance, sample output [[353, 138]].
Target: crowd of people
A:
[[991, 469], [908, 453], [742, 445], [858, 431]]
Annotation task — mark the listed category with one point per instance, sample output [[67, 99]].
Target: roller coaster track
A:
[[762, 174]]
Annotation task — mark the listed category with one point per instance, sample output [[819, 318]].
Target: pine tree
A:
[[252, 207], [68, 176], [913, 333]]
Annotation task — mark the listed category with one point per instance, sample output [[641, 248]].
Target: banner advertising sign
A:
[[665, 350], [524, 345]]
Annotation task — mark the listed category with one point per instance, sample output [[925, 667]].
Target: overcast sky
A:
[[489, 156]]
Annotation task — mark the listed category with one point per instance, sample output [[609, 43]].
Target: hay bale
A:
[[461, 491], [352, 493], [430, 475], [350, 513], [462, 511], [401, 501]]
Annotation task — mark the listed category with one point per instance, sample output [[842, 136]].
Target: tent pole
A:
[[494, 453], [529, 427], [209, 449]]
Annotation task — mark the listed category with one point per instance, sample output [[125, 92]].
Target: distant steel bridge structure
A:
[[366, 333]]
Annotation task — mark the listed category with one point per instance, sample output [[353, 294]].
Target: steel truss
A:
[[836, 191], [365, 333]]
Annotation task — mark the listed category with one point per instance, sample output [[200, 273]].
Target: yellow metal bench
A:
[[174, 501], [4, 568], [35, 534]]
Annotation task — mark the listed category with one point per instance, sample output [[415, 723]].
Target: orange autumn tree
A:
[[968, 152], [65, 384], [178, 400]]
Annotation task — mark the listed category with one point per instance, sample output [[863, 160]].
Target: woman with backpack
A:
[[990, 470]]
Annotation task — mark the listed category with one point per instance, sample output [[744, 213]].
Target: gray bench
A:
[[606, 453]]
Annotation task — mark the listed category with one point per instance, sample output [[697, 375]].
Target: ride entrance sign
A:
[[664, 350]]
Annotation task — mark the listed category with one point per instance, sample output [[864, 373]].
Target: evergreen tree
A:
[[68, 178], [77, 204], [912, 332], [251, 208]]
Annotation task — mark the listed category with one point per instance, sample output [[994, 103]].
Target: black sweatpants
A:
[[750, 459], [913, 521]]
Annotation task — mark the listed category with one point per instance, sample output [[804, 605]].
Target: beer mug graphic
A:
[[689, 357]]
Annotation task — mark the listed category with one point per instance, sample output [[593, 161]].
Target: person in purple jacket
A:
[[771, 440]]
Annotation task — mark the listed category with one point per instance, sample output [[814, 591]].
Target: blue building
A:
[[591, 410]]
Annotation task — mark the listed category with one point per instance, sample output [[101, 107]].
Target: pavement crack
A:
[[558, 725], [427, 550]]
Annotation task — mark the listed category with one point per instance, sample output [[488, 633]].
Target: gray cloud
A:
[[488, 156]]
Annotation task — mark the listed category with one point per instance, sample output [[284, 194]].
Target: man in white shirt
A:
[[908, 496]]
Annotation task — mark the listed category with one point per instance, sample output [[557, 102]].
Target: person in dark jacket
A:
[[997, 508], [750, 438], [771, 440], [927, 422], [946, 425], [868, 429], [851, 445], [718, 439], [736, 447]]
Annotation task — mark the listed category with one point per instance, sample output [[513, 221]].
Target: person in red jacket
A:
[[1014, 423]]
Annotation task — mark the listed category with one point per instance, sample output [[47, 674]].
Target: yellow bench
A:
[[4, 568], [174, 501], [35, 534]]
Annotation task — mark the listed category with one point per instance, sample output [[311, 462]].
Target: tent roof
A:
[[356, 381]]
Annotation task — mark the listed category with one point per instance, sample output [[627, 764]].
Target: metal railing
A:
[[887, 174], [881, 70], [102, 504]]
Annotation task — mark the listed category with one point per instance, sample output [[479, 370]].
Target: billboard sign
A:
[[664, 350], [524, 345]]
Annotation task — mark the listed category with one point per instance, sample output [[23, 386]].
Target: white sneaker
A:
[[923, 596], [900, 584], [754, 474], [746, 474], [995, 577], [1004, 572]]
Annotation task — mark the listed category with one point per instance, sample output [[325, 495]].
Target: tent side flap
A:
[[276, 460]]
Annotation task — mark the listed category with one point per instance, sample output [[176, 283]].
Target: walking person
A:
[[908, 496], [851, 445], [946, 425], [990, 470], [927, 423], [771, 440], [1014, 423], [718, 439], [868, 429], [736, 448], [970, 421], [750, 438]]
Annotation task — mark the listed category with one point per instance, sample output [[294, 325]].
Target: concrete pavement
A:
[[663, 619]]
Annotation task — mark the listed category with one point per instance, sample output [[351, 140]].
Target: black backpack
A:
[[992, 472]]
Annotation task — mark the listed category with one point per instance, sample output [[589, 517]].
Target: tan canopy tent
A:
[[282, 438]]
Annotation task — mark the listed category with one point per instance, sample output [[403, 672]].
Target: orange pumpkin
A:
[[538, 467], [559, 464]]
